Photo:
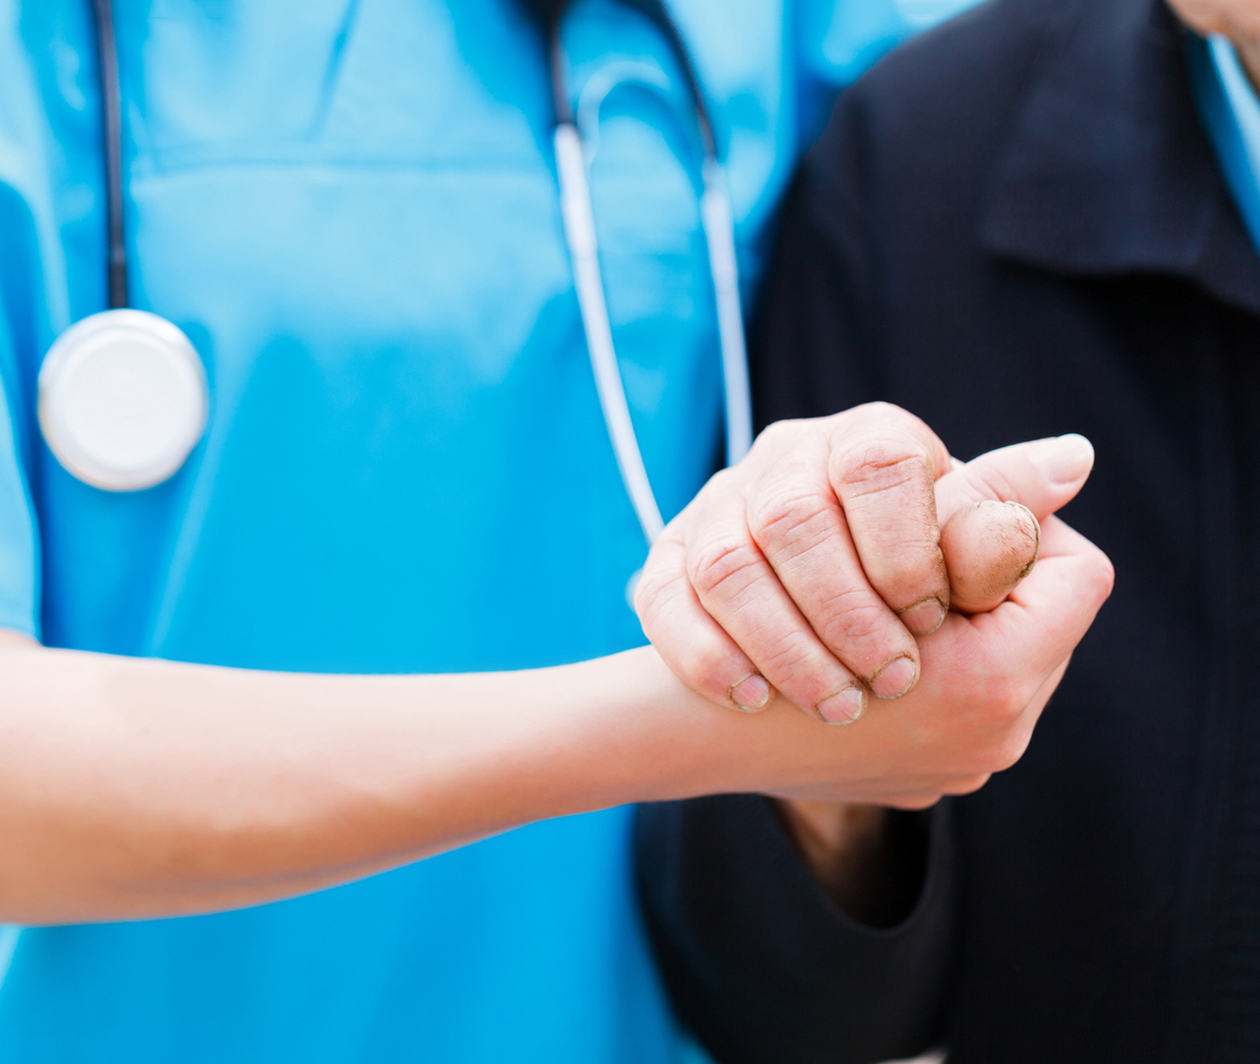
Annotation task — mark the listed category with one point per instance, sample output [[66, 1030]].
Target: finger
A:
[[695, 648], [802, 535], [882, 468], [1044, 618], [738, 589], [989, 547], [1044, 475]]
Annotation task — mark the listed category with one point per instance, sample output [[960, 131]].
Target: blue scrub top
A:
[[350, 207]]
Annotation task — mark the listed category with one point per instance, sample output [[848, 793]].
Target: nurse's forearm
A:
[[135, 788]]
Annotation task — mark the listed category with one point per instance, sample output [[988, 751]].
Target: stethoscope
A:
[[123, 397], [717, 222]]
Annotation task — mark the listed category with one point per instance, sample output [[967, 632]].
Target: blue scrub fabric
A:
[[350, 208]]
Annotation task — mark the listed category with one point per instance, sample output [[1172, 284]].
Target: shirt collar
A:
[[1108, 170]]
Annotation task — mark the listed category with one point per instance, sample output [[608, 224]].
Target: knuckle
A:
[[1007, 700], [658, 589], [708, 668], [1105, 575], [723, 567], [1004, 689], [882, 411], [774, 434], [650, 598], [1007, 752], [785, 657], [852, 617], [723, 482], [660, 622], [1000, 751], [706, 665], [997, 483], [794, 667], [782, 436], [882, 463], [784, 518], [910, 573]]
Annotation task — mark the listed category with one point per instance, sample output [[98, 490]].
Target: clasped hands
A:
[[850, 568]]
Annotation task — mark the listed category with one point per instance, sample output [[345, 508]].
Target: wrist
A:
[[639, 735], [868, 859]]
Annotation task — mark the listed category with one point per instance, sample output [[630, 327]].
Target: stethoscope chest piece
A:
[[122, 399]]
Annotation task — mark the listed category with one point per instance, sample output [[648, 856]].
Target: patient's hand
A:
[[811, 567], [832, 552]]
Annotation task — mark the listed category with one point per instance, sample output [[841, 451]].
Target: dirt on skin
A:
[[989, 548]]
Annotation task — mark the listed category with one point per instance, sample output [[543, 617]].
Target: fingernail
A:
[[844, 707], [1065, 459], [751, 694], [924, 618], [895, 678]]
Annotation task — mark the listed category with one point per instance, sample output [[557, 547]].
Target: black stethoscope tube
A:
[[579, 227], [112, 145]]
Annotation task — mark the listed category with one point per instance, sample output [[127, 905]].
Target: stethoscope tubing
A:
[[718, 224], [579, 225], [112, 145], [578, 222]]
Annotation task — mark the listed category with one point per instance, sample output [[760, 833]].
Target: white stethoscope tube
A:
[[579, 230], [90, 358], [716, 219]]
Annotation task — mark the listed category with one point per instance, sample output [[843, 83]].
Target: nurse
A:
[[385, 456]]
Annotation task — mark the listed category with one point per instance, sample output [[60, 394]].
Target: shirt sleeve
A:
[[759, 963]]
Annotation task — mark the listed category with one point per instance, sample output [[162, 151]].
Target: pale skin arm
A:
[[134, 788], [138, 788]]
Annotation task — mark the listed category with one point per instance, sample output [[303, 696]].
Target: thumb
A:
[[989, 548], [1043, 475]]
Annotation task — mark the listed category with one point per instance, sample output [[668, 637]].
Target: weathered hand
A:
[[812, 566], [986, 679]]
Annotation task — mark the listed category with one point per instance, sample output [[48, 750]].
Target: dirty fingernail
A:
[[924, 618], [895, 678], [1065, 459], [751, 694], [844, 707]]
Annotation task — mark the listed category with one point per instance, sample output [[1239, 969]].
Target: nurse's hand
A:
[[814, 566], [986, 679]]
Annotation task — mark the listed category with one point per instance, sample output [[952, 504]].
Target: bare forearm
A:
[[137, 788], [142, 788]]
